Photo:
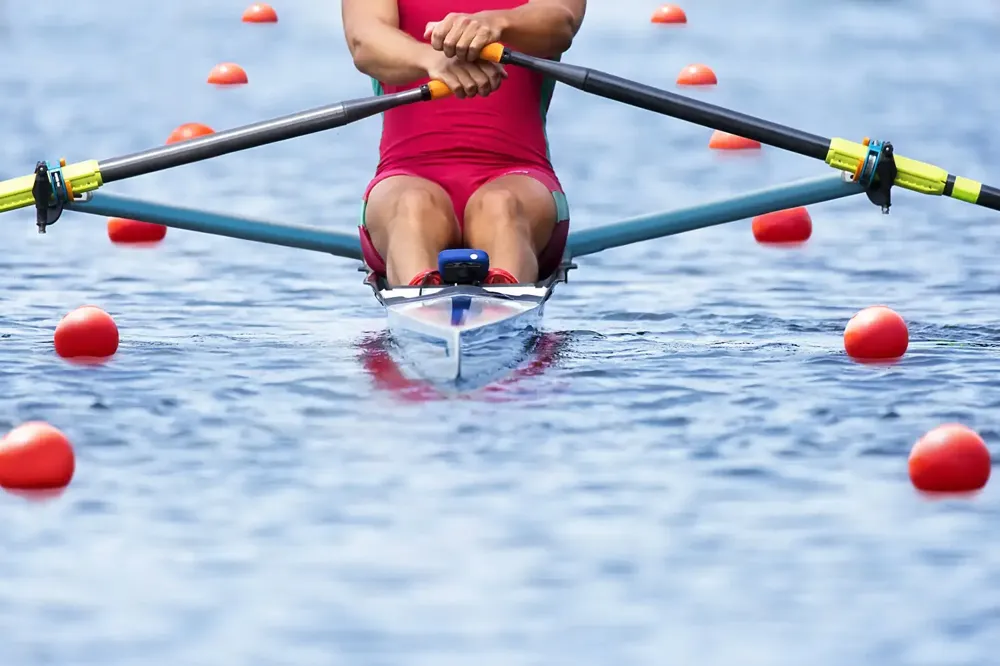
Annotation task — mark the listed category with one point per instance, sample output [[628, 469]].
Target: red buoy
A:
[[36, 456], [951, 458], [122, 231], [727, 141], [697, 75], [876, 333], [671, 14], [87, 332], [260, 12], [789, 226], [227, 74], [189, 131]]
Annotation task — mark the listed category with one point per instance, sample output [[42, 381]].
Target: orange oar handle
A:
[[438, 89], [492, 53]]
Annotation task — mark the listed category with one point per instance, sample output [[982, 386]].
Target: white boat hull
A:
[[464, 332]]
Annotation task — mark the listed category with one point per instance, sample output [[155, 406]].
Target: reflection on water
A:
[[396, 365]]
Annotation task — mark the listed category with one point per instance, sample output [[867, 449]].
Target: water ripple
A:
[[687, 455]]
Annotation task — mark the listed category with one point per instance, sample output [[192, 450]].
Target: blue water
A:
[[692, 474]]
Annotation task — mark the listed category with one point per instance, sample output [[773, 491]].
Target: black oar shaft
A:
[[257, 134], [674, 105]]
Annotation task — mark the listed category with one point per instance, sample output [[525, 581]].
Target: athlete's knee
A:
[[501, 212], [500, 205], [419, 203], [420, 212]]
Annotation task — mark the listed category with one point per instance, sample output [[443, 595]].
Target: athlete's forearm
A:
[[543, 29], [388, 54]]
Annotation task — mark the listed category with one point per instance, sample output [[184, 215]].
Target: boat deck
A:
[[454, 328]]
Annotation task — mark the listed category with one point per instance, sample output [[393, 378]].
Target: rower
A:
[[465, 267], [474, 169]]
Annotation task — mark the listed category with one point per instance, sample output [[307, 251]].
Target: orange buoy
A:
[[227, 74], [260, 12], [87, 332], [123, 231], [876, 333], [36, 456], [951, 458], [697, 75], [727, 141], [189, 131], [671, 14], [782, 227]]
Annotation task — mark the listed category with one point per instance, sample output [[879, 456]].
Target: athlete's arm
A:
[[543, 28], [387, 54], [379, 48]]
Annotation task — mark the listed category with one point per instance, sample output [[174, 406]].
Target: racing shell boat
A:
[[464, 328]]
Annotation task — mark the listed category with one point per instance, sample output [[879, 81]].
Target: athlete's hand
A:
[[463, 36], [466, 79]]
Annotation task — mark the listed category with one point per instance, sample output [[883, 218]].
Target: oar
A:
[[872, 163], [52, 186]]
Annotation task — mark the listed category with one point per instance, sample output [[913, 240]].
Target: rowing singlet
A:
[[508, 127]]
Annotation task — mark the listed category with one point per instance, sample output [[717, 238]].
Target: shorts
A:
[[460, 184]]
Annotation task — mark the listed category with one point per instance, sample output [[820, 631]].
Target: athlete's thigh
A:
[[405, 199], [514, 199]]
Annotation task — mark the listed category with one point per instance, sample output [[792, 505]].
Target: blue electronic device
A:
[[463, 266]]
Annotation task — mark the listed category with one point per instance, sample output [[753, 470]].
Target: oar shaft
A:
[[677, 106], [65, 181], [257, 134], [872, 164]]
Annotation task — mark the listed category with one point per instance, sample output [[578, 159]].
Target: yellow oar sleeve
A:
[[80, 177], [913, 174]]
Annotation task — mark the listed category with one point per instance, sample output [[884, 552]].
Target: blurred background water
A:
[[691, 473]]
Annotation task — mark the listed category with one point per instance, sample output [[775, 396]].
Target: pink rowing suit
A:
[[462, 144]]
